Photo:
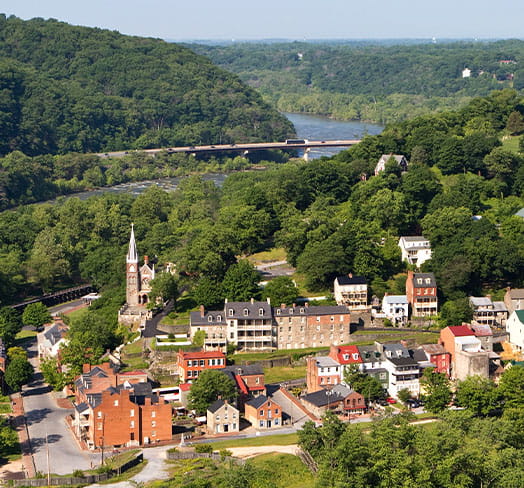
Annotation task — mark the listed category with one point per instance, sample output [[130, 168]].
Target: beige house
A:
[[351, 291], [222, 418]]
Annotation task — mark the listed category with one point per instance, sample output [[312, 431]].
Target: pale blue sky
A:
[[290, 19]]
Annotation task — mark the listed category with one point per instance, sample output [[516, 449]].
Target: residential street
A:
[[44, 417]]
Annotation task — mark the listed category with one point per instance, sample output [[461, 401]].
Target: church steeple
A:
[[132, 254]]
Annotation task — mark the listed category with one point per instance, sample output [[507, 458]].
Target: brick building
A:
[[322, 372], [222, 418], [421, 290], [263, 413], [190, 364]]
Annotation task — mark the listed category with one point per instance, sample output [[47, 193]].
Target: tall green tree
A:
[[478, 395], [281, 289], [437, 390], [18, 372], [241, 282], [210, 385], [36, 314]]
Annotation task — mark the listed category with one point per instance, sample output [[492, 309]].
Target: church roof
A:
[[132, 254]]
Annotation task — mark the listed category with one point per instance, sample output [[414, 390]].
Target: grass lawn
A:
[[134, 347], [176, 318], [511, 143], [258, 356], [279, 374], [274, 254], [265, 440], [300, 280], [5, 408], [24, 334], [76, 314], [286, 470]]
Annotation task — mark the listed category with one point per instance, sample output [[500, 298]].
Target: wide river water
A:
[[312, 127]]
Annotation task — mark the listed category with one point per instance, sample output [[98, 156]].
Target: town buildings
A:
[[321, 372], [340, 398], [352, 292], [263, 413], [222, 418], [396, 308], [421, 291], [256, 326], [514, 299], [191, 364], [415, 250]]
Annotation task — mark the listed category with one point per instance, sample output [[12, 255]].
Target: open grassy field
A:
[[279, 374], [511, 143], [286, 470], [265, 440], [274, 254]]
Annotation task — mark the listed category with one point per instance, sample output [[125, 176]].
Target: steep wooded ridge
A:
[[65, 88], [379, 83]]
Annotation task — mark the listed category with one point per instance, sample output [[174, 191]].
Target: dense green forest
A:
[[75, 89], [377, 83]]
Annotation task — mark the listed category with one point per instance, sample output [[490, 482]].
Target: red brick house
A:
[[322, 372], [340, 399], [437, 355], [421, 291], [263, 413], [123, 416], [190, 364], [249, 380]]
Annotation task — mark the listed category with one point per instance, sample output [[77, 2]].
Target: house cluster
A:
[[514, 302], [257, 326], [461, 351], [115, 409]]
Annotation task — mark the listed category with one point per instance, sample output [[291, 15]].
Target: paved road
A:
[[45, 418]]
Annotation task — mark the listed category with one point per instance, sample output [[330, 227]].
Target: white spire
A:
[[132, 254]]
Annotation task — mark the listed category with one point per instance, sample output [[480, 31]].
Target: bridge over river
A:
[[245, 148]]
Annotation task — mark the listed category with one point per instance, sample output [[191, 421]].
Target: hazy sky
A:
[[291, 19]]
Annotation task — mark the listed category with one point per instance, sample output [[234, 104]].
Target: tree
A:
[[477, 394], [437, 391], [368, 386], [515, 124], [18, 372], [10, 325], [512, 387], [52, 375], [208, 293], [164, 287], [404, 395], [208, 387], [36, 314], [455, 312], [281, 289], [241, 282], [8, 438], [199, 338], [16, 352]]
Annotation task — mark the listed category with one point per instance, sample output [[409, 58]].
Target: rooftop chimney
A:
[[252, 300], [202, 312], [146, 259], [306, 304]]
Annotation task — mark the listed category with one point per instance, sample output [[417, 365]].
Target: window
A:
[[301, 328], [153, 423], [153, 433], [276, 411], [189, 374], [132, 412], [277, 421], [246, 312], [99, 414], [115, 403], [257, 380], [190, 363], [428, 281], [218, 418], [209, 318], [318, 327], [132, 424], [99, 426], [260, 312], [219, 318], [332, 318], [261, 413], [232, 335], [153, 413], [261, 423], [291, 311], [289, 329], [301, 310], [419, 281], [278, 311], [230, 312], [318, 319], [355, 356]]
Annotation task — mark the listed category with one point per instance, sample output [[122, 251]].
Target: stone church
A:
[[138, 278]]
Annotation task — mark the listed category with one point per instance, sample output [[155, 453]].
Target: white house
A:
[[395, 308], [415, 249], [515, 328], [399, 158], [466, 73], [351, 291], [403, 369]]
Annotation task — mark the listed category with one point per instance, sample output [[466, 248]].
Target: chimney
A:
[[306, 304], [146, 259], [268, 301], [294, 305], [225, 300], [202, 313], [386, 294], [86, 368], [252, 300], [404, 343], [282, 305], [488, 296]]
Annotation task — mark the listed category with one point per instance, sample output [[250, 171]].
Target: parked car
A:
[[390, 400]]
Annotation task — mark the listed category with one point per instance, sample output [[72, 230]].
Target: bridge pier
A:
[[306, 154]]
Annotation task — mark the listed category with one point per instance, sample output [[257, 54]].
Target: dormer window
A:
[[209, 318], [260, 312], [230, 312], [419, 281], [290, 311], [278, 311], [428, 281], [355, 356], [301, 310], [346, 357], [246, 312], [219, 318]]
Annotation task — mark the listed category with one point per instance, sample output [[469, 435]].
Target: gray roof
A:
[[259, 401], [55, 333], [396, 299], [403, 361], [480, 301], [414, 238], [397, 350], [370, 354], [351, 280], [216, 317], [516, 293], [321, 398], [500, 307], [424, 276], [326, 362], [242, 310], [309, 311], [434, 348], [82, 407], [244, 369]]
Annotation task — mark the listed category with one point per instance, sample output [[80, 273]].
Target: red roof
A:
[[202, 355], [241, 384], [345, 355], [461, 331]]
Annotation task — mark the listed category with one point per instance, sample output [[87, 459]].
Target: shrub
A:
[[225, 453], [204, 448], [78, 473]]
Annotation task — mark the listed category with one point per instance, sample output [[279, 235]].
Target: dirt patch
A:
[[12, 471], [64, 403], [252, 451]]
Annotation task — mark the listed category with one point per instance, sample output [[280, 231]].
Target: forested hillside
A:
[[372, 82], [65, 88]]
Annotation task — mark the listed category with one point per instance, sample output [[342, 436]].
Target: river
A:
[[314, 127]]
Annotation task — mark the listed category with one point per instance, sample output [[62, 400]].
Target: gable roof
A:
[[260, 400], [425, 283], [460, 330], [250, 310], [390, 299], [520, 315], [344, 354], [321, 398]]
